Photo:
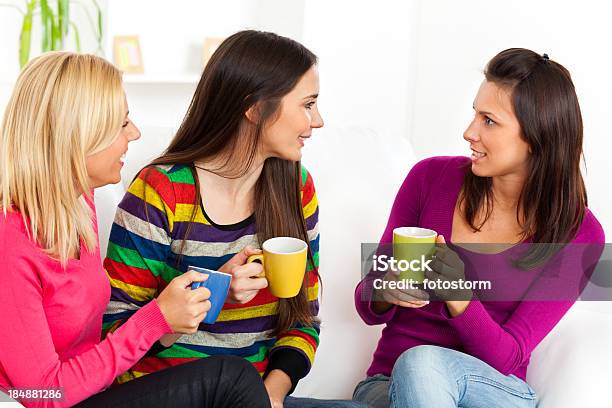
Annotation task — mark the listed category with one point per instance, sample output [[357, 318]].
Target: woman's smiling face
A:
[[104, 167], [298, 115], [495, 135]]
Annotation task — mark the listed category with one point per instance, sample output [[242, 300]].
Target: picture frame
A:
[[210, 46], [127, 55]]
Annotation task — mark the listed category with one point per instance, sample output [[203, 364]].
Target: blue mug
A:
[[218, 283]]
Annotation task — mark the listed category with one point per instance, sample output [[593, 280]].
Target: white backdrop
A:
[[456, 39], [389, 70]]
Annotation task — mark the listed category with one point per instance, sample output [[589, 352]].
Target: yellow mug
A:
[[284, 263], [413, 244]]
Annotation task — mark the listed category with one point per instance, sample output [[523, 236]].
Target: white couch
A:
[[357, 174]]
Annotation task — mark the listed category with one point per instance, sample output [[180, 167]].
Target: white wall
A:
[[366, 62], [10, 26], [389, 70], [172, 36], [172, 40], [456, 39], [366, 72]]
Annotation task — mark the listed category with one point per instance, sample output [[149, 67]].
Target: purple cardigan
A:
[[502, 334]]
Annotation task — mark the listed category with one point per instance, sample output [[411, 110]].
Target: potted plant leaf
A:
[[55, 24]]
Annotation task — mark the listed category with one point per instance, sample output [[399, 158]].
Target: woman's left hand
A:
[[448, 267], [278, 385]]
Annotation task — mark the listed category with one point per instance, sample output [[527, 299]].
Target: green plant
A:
[[55, 24]]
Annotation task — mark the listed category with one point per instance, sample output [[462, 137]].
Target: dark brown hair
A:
[[553, 199], [250, 69]]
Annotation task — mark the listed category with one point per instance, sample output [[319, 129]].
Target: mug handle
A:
[[259, 258]]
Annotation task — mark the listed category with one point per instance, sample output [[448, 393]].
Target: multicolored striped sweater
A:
[[142, 259]]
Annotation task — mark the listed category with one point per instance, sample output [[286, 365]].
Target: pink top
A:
[[52, 321], [500, 333]]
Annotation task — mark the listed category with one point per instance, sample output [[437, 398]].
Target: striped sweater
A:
[[142, 259]]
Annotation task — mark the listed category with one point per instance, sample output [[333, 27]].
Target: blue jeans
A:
[[431, 376], [294, 402]]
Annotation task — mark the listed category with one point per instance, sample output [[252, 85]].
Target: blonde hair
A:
[[64, 107]]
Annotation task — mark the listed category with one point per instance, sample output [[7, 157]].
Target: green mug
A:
[[413, 244]]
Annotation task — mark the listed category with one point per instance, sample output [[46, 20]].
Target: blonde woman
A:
[[64, 133]]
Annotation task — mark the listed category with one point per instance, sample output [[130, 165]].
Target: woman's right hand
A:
[[184, 308], [384, 298]]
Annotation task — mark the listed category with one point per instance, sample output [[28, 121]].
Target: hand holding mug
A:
[[409, 243], [183, 308], [247, 278], [284, 265], [413, 298], [447, 266]]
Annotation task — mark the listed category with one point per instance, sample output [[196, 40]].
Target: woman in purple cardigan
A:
[[521, 187]]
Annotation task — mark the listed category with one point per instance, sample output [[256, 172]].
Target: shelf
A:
[[188, 79], [137, 79]]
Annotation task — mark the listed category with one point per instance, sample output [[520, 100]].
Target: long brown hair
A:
[[553, 199], [250, 69]]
